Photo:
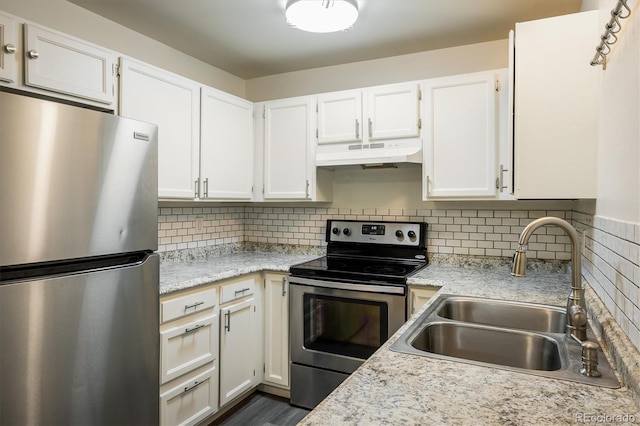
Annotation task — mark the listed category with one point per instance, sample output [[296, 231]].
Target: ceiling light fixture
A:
[[322, 16]]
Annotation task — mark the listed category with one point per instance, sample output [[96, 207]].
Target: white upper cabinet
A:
[[393, 111], [376, 113], [285, 152], [63, 64], [8, 49], [556, 107], [340, 117], [173, 103], [461, 139], [226, 146]]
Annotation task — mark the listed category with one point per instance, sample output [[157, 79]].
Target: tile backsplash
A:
[[611, 249]]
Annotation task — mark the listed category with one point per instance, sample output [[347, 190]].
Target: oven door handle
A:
[[370, 288]]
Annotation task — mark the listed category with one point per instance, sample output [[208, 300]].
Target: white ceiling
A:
[[250, 38]]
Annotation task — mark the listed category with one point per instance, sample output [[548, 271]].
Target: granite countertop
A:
[[397, 388], [181, 275]]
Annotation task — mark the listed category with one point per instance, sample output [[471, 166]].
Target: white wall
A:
[[416, 66], [71, 19]]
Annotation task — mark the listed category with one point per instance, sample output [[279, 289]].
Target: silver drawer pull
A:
[[242, 291], [194, 328], [195, 384], [195, 305]]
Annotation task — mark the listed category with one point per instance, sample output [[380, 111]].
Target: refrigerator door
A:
[[82, 348], [74, 182]]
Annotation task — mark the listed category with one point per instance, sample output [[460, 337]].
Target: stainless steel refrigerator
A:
[[79, 336]]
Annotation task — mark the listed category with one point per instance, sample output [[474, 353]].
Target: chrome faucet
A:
[[576, 307]]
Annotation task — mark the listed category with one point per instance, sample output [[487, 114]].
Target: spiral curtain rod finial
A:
[[609, 37]]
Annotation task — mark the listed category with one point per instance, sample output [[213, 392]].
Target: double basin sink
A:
[[524, 337]]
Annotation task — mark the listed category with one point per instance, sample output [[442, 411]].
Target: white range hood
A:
[[374, 154]]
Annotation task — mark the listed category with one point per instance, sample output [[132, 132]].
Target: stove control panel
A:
[[393, 233]]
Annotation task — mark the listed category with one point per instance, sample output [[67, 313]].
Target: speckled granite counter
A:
[[180, 275], [394, 388]]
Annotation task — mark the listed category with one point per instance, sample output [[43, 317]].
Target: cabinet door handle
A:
[[307, 190], [9, 48], [33, 54], [197, 188], [370, 129], [195, 384], [195, 305], [242, 291], [428, 186], [227, 320], [206, 187], [194, 328], [500, 182], [284, 286], [357, 129]]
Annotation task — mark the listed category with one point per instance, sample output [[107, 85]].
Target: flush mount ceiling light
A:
[[322, 16]]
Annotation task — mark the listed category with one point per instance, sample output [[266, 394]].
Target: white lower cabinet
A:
[[418, 296], [239, 338], [189, 338], [276, 330]]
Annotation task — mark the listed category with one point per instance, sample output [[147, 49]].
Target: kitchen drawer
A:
[[187, 304], [191, 400], [238, 289], [188, 346]]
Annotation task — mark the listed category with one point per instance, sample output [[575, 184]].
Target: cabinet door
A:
[[67, 65], [393, 111], [340, 117], [8, 50], [418, 296], [173, 103], [556, 107], [226, 146], [288, 153], [460, 138], [239, 349], [276, 330]]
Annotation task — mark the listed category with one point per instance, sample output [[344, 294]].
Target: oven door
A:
[[336, 325]]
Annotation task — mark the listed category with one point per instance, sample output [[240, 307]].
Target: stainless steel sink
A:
[[491, 345], [525, 337], [502, 313]]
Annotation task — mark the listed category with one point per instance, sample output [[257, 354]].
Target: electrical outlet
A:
[[198, 223]]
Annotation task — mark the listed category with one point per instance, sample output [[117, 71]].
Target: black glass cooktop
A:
[[393, 271]]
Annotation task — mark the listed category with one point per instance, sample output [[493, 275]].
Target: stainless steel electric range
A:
[[345, 305]]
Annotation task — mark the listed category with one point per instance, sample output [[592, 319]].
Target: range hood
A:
[[374, 155]]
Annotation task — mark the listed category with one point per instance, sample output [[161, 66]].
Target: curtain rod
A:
[[609, 37]]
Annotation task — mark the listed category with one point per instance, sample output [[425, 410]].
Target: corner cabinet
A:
[[240, 337], [418, 296], [172, 102], [463, 136], [285, 144], [556, 107], [226, 146], [276, 330]]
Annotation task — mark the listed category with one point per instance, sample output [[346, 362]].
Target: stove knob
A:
[[335, 231], [346, 231], [399, 234], [411, 234]]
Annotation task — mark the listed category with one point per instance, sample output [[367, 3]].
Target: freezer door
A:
[[74, 182], [81, 349]]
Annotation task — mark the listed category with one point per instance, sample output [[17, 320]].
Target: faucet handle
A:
[[590, 359]]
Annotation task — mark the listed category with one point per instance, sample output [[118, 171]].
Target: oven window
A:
[[351, 327]]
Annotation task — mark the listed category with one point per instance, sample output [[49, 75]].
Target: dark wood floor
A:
[[262, 409]]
